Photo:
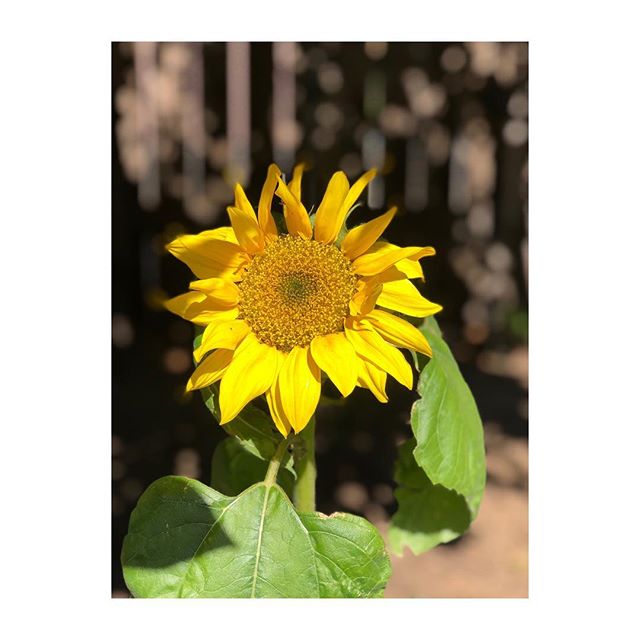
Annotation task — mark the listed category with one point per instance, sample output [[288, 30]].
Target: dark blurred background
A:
[[446, 123]]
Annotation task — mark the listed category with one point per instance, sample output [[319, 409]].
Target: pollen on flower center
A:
[[296, 290]]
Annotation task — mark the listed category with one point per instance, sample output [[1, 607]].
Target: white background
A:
[[55, 137]]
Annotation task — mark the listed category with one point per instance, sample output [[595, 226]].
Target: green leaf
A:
[[234, 468], [441, 484], [428, 514], [186, 540], [447, 425]]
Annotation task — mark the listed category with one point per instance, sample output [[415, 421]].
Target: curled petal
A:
[[265, 218], [296, 216]]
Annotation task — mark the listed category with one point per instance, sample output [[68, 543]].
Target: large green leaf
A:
[[447, 425], [441, 485], [234, 468], [187, 540], [427, 514]]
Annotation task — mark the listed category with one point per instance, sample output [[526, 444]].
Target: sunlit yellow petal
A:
[[409, 266], [180, 304], [371, 346], [245, 224], [398, 331], [209, 256], [335, 355], [295, 186], [218, 289], [361, 238], [299, 387], [265, 218], [210, 370], [354, 193], [402, 296], [364, 300], [372, 378], [206, 316], [296, 216], [242, 202], [198, 308], [327, 225], [277, 413], [374, 262], [252, 371], [221, 233], [221, 335]]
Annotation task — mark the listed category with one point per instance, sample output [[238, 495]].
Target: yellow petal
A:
[[398, 331], [295, 186], [402, 296], [198, 308], [265, 218], [375, 262], [181, 304], [361, 238], [249, 234], [295, 215], [207, 316], [372, 378], [252, 371], [242, 202], [221, 233], [338, 219], [335, 355], [299, 387], [364, 300], [222, 335], [277, 413], [371, 346], [327, 225], [222, 291], [210, 257], [354, 193], [410, 267], [210, 370]]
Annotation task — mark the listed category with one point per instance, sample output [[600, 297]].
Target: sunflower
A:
[[279, 308]]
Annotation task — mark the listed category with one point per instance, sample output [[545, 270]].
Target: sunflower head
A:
[[278, 309]]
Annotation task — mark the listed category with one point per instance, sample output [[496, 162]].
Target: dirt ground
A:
[[491, 560]]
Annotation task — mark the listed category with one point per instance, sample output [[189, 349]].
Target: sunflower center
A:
[[296, 290]]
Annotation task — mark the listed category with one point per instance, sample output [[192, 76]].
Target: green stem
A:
[[304, 490], [274, 463]]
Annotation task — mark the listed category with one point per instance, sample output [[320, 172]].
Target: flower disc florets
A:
[[296, 290]]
